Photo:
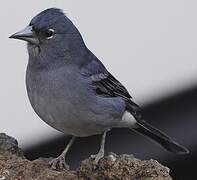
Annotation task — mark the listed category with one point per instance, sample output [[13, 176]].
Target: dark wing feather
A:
[[109, 86], [105, 84]]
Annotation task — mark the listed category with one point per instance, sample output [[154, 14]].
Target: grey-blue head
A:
[[50, 34]]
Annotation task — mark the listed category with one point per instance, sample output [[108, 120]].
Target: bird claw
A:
[[58, 163], [97, 157]]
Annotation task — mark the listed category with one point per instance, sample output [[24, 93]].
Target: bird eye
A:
[[49, 33]]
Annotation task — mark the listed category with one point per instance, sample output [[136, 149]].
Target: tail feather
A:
[[145, 129]]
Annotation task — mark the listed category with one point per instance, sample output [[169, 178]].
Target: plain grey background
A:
[[150, 46]]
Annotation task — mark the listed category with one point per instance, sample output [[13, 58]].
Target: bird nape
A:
[[72, 91]]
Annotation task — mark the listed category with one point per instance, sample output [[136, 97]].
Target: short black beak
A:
[[26, 34]]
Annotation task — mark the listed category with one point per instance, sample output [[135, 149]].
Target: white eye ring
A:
[[50, 33]]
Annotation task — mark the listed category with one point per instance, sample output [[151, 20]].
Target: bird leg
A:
[[59, 162], [101, 152]]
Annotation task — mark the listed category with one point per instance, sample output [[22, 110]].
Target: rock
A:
[[123, 167], [14, 166], [9, 146]]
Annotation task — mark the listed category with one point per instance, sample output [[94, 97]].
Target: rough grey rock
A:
[[14, 166], [9, 145]]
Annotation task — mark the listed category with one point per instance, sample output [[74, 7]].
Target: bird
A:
[[70, 89]]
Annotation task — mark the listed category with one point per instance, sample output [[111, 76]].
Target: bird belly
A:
[[77, 120]]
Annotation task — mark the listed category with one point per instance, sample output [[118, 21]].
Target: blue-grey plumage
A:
[[72, 91]]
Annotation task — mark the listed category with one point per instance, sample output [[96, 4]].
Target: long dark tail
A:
[[145, 129]]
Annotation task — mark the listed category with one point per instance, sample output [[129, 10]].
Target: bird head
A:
[[50, 31]]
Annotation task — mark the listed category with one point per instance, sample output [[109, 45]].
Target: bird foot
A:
[[58, 163], [97, 157]]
